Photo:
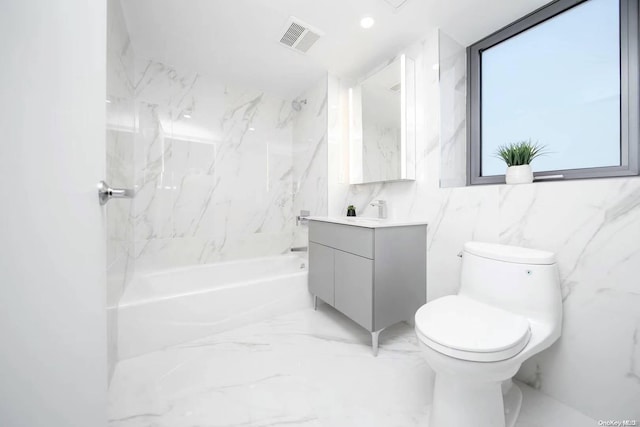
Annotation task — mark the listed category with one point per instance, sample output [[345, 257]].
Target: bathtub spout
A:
[[300, 249], [303, 218]]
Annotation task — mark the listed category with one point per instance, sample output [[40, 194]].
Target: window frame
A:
[[629, 95]]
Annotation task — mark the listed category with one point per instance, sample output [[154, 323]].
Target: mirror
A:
[[382, 124]]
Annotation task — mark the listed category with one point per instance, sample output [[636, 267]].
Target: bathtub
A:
[[169, 307]]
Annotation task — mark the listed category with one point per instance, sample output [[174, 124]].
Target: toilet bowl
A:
[[509, 308]]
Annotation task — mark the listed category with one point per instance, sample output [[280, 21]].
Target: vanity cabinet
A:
[[375, 275]]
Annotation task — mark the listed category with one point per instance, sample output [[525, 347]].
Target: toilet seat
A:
[[466, 329]]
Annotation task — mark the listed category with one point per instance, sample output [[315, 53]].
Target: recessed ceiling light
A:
[[108, 101], [186, 116], [367, 22], [252, 129]]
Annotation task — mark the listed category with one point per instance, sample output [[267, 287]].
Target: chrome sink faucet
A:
[[382, 208]]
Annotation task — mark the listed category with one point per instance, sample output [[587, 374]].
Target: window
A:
[[566, 77]]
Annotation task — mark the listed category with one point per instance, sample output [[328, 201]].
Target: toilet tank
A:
[[520, 280]]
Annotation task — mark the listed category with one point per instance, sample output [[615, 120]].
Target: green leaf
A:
[[520, 153]]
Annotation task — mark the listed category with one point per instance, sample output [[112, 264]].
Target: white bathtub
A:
[[163, 308]]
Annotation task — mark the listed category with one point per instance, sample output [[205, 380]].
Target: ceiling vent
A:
[[299, 35]]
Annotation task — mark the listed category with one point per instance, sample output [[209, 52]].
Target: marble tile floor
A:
[[308, 368]]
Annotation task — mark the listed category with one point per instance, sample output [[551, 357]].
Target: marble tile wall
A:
[[310, 156], [213, 170], [452, 67], [592, 225], [120, 173]]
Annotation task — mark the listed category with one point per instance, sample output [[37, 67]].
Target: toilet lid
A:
[[470, 330]]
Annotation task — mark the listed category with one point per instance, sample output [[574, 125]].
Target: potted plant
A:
[[351, 210], [518, 157]]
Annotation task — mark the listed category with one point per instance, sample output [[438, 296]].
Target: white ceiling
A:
[[238, 40]]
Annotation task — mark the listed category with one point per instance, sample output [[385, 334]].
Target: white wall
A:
[[53, 368], [592, 225]]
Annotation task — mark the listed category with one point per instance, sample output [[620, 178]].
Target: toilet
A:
[[509, 308]]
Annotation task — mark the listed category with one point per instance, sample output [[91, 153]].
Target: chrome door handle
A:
[[106, 193]]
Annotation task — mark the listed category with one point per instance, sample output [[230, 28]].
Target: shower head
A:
[[297, 105]]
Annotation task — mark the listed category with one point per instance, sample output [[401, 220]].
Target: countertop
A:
[[367, 222]]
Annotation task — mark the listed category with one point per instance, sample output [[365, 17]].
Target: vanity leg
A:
[[374, 342], [315, 303]]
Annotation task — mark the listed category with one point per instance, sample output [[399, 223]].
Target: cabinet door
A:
[[321, 272], [354, 287]]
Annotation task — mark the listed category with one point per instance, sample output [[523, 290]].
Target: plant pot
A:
[[519, 175]]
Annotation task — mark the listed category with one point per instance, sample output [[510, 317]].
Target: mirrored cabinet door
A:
[[382, 124]]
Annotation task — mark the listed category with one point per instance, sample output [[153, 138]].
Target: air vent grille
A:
[[293, 34], [299, 35]]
